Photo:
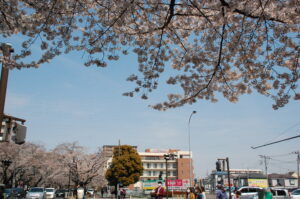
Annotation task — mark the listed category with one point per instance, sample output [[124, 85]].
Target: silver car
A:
[[295, 194], [50, 193], [36, 193]]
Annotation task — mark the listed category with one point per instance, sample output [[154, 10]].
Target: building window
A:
[[152, 158], [154, 173], [292, 182], [161, 165], [155, 165], [174, 165], [174, 173], [149, 173], [148, 165], [168, 173]]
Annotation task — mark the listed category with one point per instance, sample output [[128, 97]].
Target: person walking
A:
[[221, 193], [159, 191], [102, 192], [237, 194], [190, 193], [123, 193], [199, 194], [203, 192]]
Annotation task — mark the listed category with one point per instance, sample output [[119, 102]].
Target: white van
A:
[[280, 193], [250, 192]]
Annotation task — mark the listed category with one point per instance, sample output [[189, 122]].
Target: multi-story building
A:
[[107, 150], [155, 165]]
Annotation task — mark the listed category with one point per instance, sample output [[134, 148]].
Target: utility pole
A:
[[118, 185], [228, 172], [266, 166], [298, 162], [6, 49]]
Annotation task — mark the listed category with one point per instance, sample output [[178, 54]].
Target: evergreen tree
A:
[[126, 167]]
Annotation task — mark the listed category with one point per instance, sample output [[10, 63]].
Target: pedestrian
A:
[[102, 192], [159, 191], [237, 194], [199, 194], [203, 192], [123, 193], [190, 193], [221, 193]]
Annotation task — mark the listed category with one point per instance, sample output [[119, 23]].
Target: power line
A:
[[280, 155], [285, 131], [282, 161], [266, 158], [276, 142], [298, 162]]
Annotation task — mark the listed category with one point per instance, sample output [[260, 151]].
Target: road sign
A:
[[219, 173]]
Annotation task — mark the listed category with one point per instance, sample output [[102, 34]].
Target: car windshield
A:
[[7, 190], [49, 190], [17, 190], [36, 190], [296, 192]]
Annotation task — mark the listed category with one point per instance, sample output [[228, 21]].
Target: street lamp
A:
[[167, 157], [6, 164], [189, 131]]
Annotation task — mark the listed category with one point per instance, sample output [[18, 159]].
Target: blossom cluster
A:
[[232, 47]]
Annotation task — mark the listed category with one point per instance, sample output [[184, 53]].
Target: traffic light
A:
[[218, 166], [160, 175], [18, 133], [13, 132], [3, 133]]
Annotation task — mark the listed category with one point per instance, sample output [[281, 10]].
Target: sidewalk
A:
[[208, 196]]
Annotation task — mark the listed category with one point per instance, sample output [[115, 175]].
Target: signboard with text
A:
[[151, 184], [179, 184], [258, 183], [226, 184]]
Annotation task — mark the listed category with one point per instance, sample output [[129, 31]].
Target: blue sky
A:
[[64, 101]]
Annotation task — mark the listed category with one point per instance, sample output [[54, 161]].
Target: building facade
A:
[[287, 181], [239, 178], [156, 167]]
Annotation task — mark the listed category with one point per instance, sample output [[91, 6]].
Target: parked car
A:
[[280, 193], [15, 193], [295, 194], [50, 193], [90, 192], [250, 192], [36, 193], [2, 187], [61, 193]]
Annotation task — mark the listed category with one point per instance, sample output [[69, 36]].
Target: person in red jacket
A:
[[159, 191]]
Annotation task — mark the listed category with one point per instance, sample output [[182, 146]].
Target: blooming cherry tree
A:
[[227, 47]]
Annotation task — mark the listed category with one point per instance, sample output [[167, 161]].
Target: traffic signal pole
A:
[[228, 172], [218, 167], [3, 88], [6, 51]]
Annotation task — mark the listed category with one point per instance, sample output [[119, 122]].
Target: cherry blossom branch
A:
[[217, 66]]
